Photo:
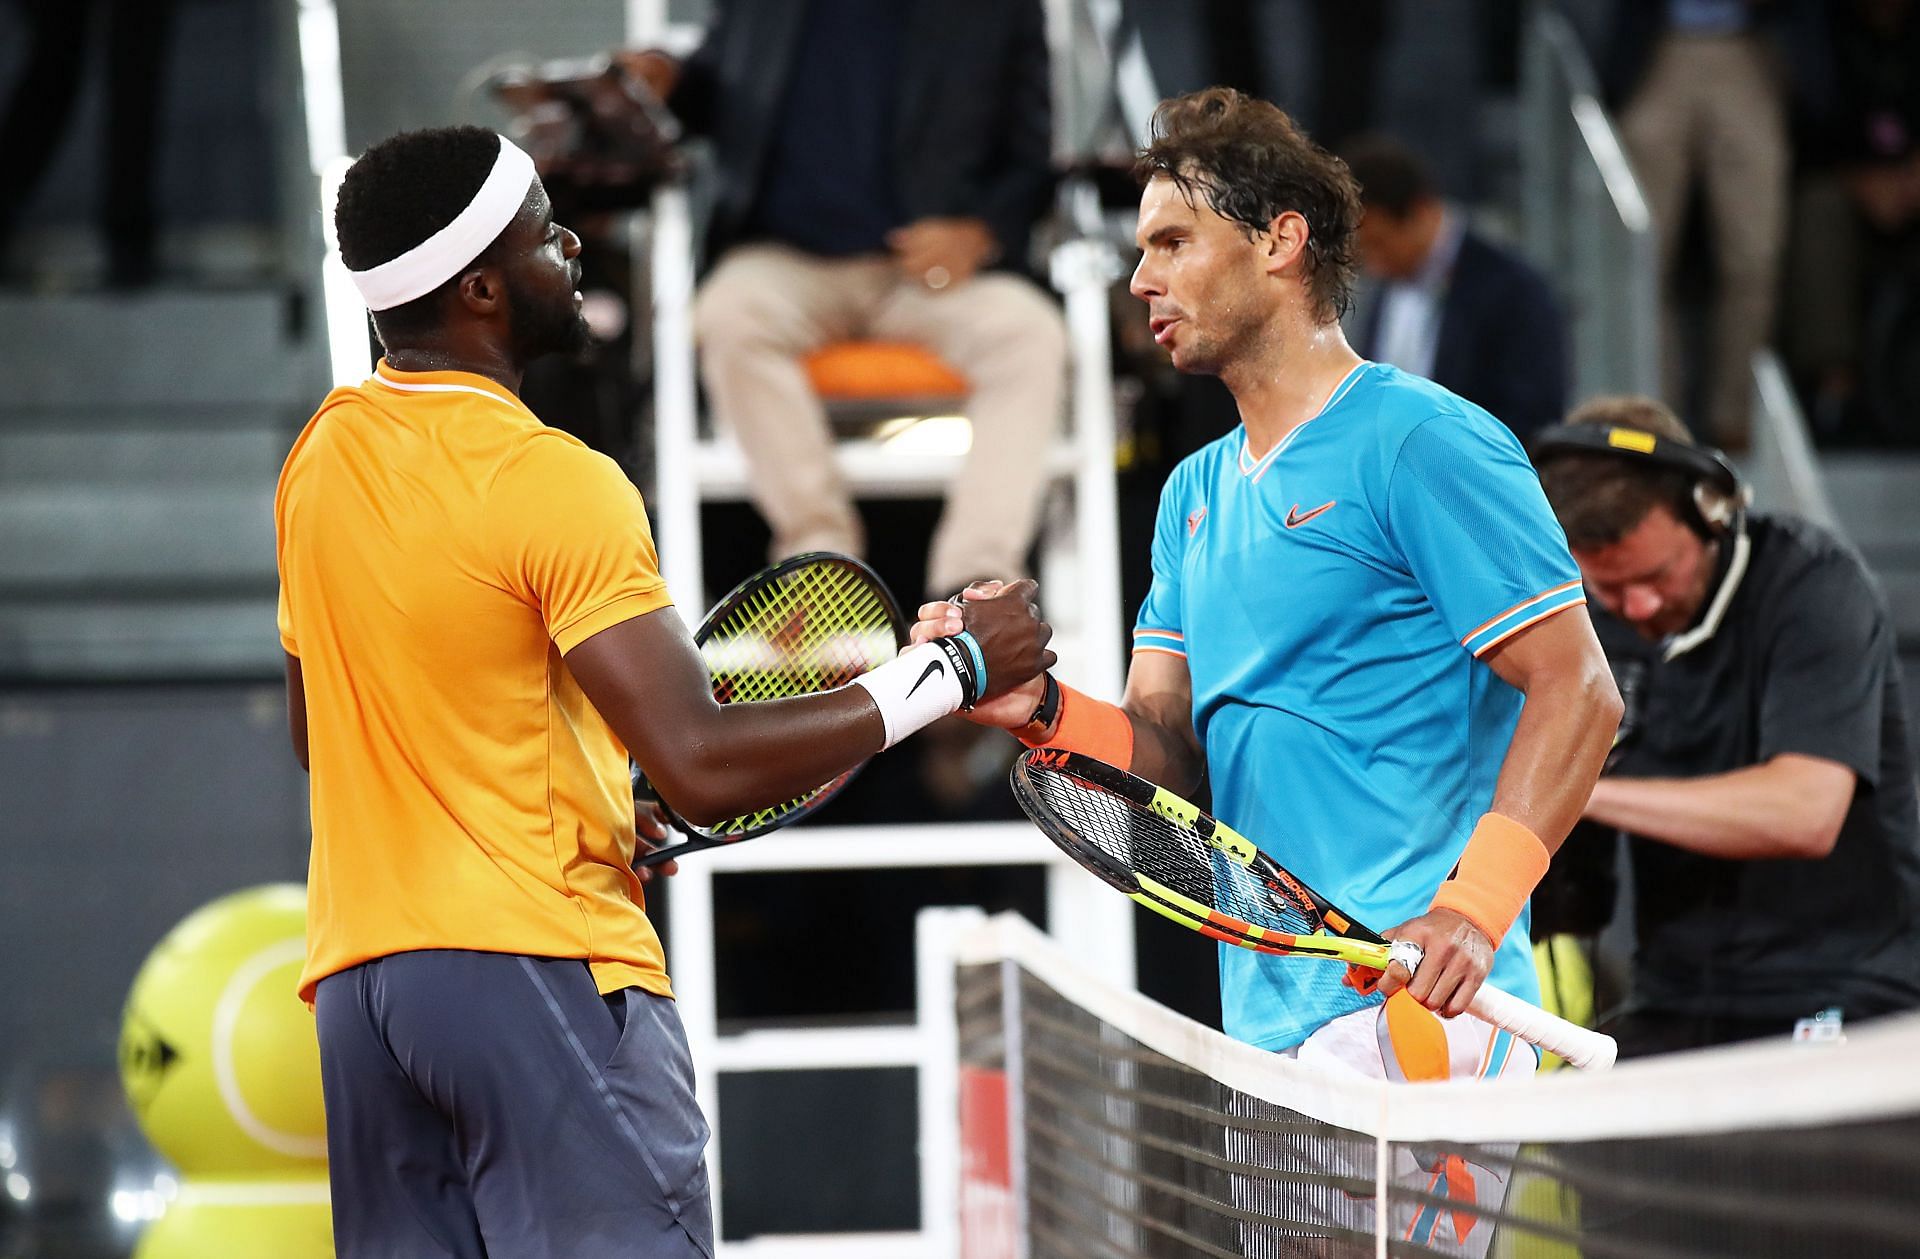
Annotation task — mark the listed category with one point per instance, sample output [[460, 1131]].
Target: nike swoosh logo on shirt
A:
[[1296, 517], [937, 666]]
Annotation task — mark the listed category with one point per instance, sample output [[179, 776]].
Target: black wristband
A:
[[1049, 709], [963, 669]]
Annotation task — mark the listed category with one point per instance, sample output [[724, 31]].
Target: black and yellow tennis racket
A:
[[810, 623], [1171, 857]]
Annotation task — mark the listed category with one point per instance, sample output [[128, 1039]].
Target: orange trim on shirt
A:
[[1491, 643], [1490, 622]]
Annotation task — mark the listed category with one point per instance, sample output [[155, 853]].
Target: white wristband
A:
[[914, 689]]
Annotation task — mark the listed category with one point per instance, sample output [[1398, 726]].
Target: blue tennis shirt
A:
[[1332, 600]]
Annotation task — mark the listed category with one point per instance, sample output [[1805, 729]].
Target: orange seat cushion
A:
[[859, 370]]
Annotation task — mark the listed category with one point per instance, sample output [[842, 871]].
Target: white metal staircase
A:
[[1079, 574]]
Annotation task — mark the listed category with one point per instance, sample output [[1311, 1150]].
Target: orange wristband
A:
[[1090, 727], [1502, 864]]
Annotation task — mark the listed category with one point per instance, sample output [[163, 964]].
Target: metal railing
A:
[[1782, 467], [1584, 221]]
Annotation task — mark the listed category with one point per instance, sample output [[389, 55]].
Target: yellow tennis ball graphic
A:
[[217, 1053], [244, 1220]]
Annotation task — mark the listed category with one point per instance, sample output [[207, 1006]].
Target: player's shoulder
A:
[[1418, 422], [538, 452], [342, 408], [1403, 403], [539, 441]]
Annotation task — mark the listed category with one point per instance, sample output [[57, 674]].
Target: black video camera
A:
[[601, 138]]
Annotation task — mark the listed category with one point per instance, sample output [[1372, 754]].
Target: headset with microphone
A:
[[1719, 496], [1717, 504]]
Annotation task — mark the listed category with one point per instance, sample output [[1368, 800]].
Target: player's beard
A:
[[1228, 336], [544, 325], [1211, 351]]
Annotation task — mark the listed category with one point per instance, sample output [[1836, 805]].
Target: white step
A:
[[95, 351], [163, 449], [831, 1246], [223, 636], [869, 467], [820, 1048], [1877, 497], [144, 536], [809, 847]]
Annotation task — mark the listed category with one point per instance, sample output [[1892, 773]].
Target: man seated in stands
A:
[[1853, 279], [881, 167], [1769, 792], [1453, 306]]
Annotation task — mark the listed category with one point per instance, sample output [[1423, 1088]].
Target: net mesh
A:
[[812, 627], [1117, 1148]]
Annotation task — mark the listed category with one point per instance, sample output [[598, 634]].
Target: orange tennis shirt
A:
[[439, 549]]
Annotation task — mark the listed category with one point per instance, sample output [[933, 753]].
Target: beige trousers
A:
[[766, 306], [1712, 109]]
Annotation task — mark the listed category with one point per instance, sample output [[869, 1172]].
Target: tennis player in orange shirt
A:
[[477, 637]]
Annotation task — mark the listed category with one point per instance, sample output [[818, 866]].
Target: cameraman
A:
[[1769, 794]]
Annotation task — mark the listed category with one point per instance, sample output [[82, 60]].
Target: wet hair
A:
[[400, 192], [1600, 498], [1251, 163], [1392, 177]]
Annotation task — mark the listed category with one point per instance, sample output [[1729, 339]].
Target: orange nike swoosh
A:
[[1295, 518]]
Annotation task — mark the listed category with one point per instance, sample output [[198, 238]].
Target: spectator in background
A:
[[46, 95], [1769, 791], [1701, 90], [881, 168], [1453, 306], [1853, 284]]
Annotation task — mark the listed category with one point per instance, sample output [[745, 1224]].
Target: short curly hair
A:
[[403, 190], [1251, 163]]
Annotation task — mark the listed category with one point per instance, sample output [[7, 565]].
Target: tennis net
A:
[[1096, 1124]]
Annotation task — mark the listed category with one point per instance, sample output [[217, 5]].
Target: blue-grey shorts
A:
[[488, 1104]]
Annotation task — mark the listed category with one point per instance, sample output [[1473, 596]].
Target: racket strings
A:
[[1170, 853], [816, 627]]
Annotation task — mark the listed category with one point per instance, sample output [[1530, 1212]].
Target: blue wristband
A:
[[979, 662]]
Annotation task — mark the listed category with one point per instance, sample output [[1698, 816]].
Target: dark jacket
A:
[[1503, 338], [972, 131]]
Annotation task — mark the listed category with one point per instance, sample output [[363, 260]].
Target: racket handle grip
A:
[[1582, 1047], [676, 851]]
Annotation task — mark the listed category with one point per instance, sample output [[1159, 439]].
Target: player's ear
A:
[[1286, 239], [482, 290]]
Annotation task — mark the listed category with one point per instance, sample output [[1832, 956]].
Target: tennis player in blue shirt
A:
[[1364, 629]]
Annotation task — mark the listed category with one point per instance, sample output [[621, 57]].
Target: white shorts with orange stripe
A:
[[1318, 1184]]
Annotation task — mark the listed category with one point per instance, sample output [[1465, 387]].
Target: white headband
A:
[[444, 254]]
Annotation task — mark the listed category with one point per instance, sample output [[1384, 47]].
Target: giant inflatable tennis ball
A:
[[246, 1219], [217, 1053]]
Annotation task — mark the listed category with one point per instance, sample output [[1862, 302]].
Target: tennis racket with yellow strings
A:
[[810, 623], [1171, 857]]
